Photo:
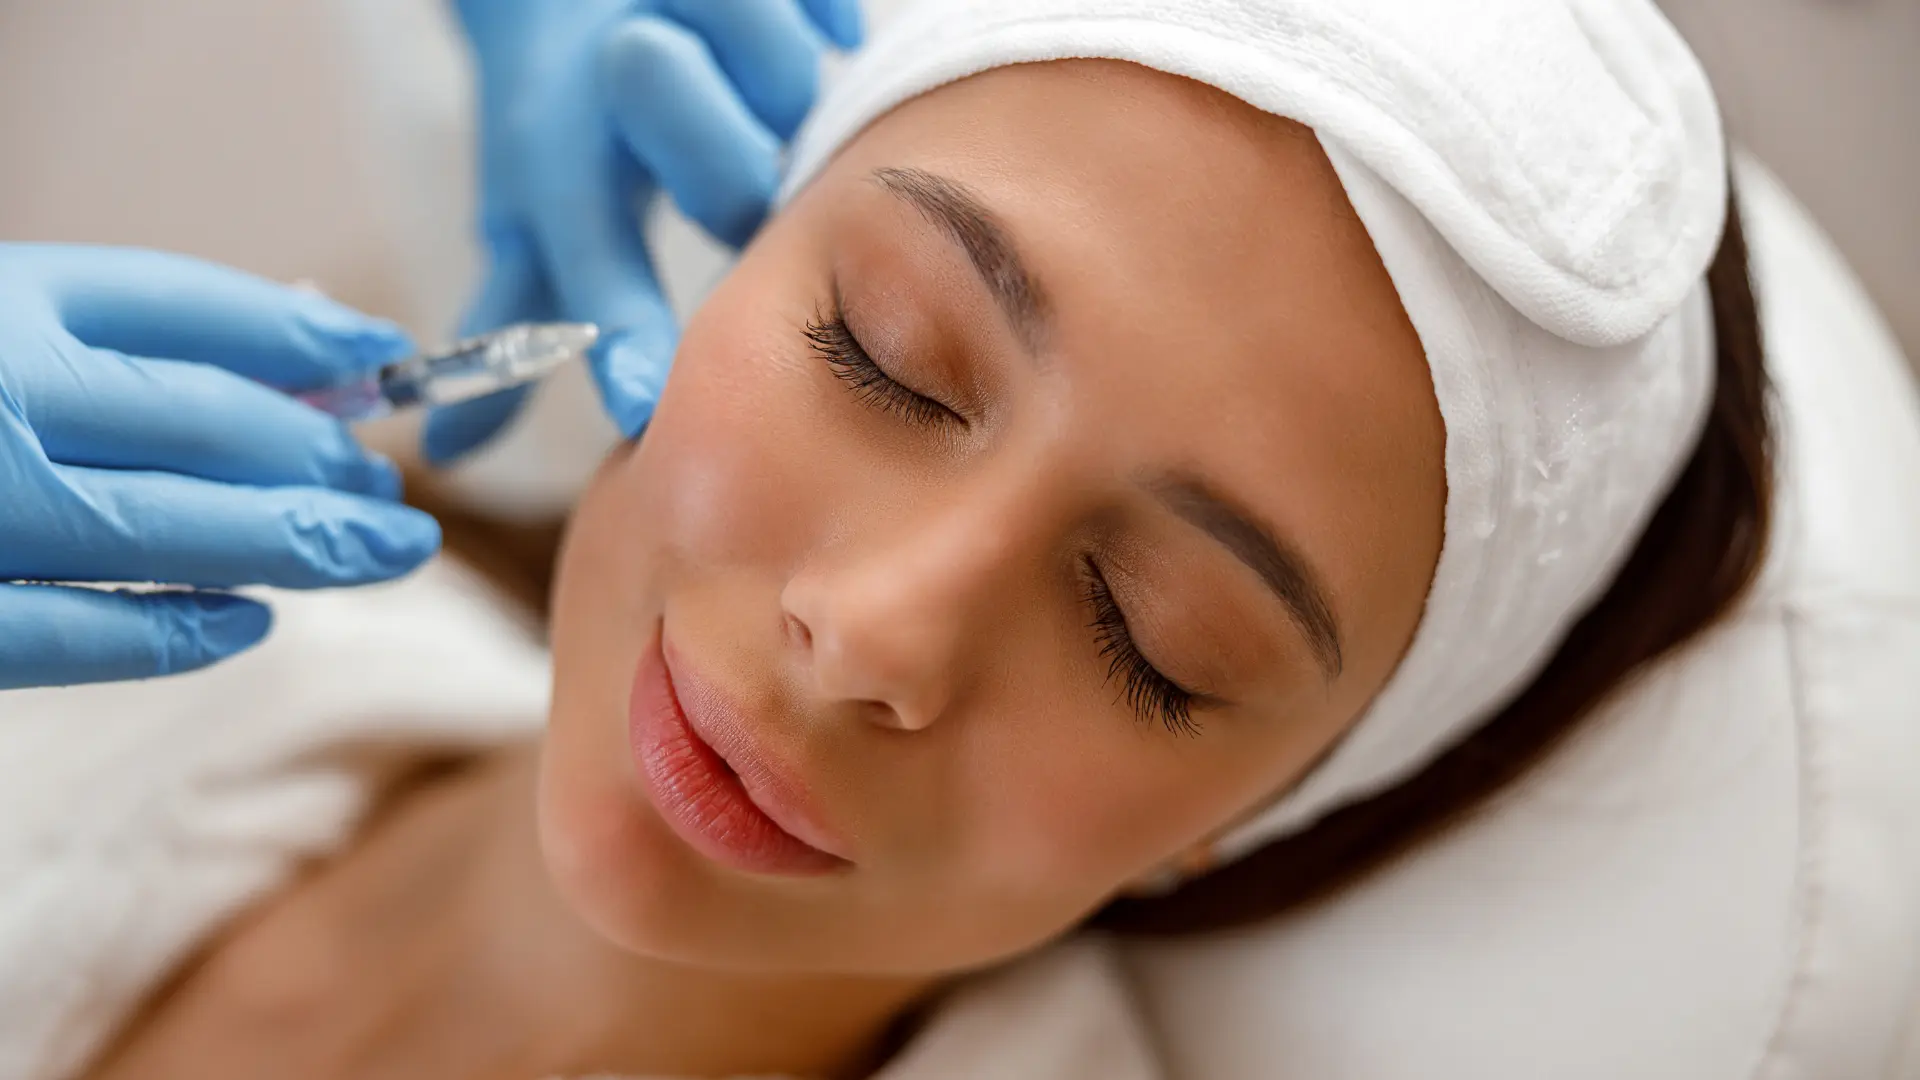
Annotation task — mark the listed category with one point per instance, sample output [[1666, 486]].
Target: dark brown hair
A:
[[1700, 553]]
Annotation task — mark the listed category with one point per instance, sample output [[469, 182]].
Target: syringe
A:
[[478, 366]]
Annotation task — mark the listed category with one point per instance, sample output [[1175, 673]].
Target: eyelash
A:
[[1152, 695], [833, 340]]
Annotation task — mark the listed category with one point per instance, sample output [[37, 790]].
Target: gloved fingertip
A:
[[347, 466], [367, 346], [383, 478], [375, 346], [632, 415], [397, 539], [630, 373], [847, 26], [229, 624], [630, 408], [357, 542], [192, 630], [360, 341], [383, 343], [738, 230]]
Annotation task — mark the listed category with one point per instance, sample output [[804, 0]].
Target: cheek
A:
[[1092, 814], [739, 455], [1068, 803]]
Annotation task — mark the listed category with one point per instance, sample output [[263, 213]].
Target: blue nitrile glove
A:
[[128, 455], [587, 109]]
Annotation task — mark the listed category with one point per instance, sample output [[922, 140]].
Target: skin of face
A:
[[899, 607]]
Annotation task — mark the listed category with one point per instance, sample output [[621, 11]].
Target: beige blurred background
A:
[[328, 140], [253, 133]]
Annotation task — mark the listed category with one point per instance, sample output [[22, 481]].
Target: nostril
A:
[[797, 632], [888, 715]]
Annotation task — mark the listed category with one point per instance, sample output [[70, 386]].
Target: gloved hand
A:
[[126, 456], [587, 109]]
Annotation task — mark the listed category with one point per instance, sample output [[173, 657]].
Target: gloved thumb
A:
[[630, 367]]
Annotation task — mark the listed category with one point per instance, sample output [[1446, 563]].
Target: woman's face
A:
[[1048, 487]]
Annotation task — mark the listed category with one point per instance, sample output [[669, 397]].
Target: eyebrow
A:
[[963, 217], [1279, 564]]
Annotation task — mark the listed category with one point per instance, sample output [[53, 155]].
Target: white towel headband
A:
[[1545, 181]]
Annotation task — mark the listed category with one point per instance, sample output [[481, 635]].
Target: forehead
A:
[[1107, 160]]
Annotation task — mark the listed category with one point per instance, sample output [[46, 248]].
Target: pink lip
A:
[[711, 782]]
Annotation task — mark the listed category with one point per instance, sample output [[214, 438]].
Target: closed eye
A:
[[1151, 695], [835, 343]]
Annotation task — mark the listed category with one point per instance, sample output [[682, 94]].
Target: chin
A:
[[620, 869]]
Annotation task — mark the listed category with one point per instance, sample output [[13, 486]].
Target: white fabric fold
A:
[[1545, 181]]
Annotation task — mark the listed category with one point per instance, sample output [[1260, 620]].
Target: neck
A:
[[457, 882]]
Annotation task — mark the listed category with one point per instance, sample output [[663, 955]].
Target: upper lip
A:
[[775, 790]]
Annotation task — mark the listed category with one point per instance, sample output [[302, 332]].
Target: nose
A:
[[891, 625]]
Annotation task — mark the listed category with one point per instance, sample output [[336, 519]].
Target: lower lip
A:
[[702, 800]]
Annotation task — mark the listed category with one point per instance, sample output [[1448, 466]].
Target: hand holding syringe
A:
[[487, 364]]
